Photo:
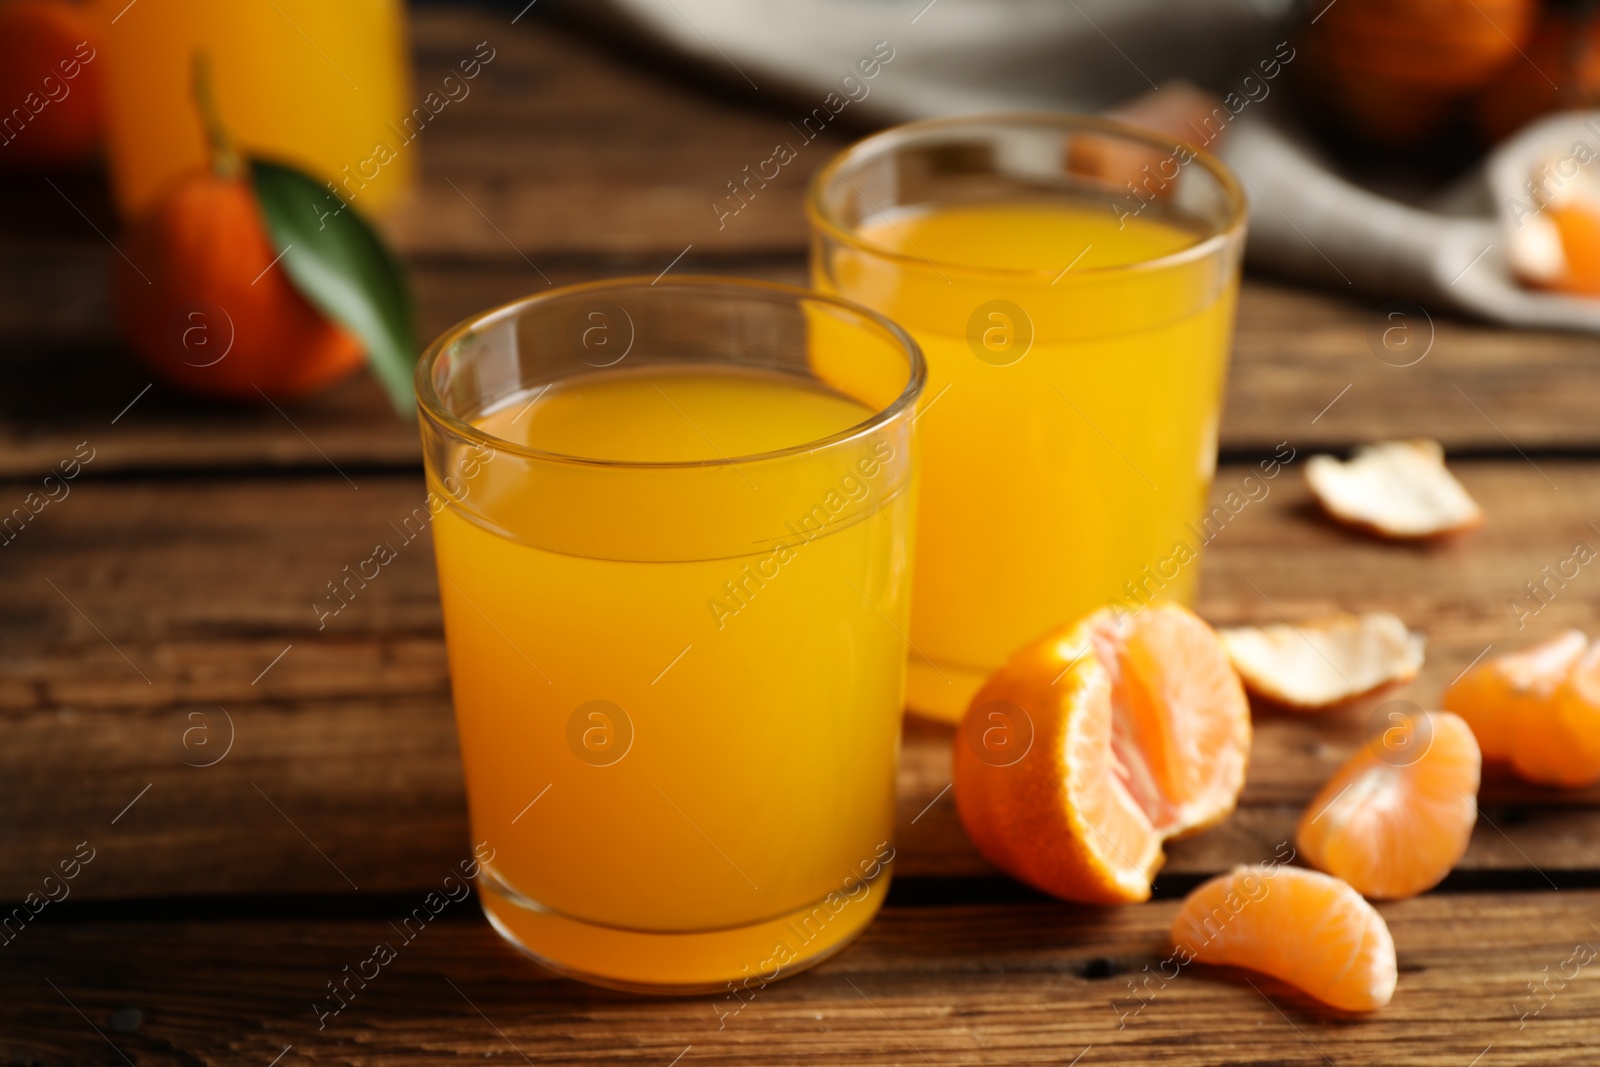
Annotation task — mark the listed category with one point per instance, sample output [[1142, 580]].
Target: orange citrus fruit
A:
[[1559, 70], [1397, 817], [1096, 743], [1567, 751], [210, 310], [1537, 709], [1578, 223], [1304, 928], [49, 85], [201, 297]]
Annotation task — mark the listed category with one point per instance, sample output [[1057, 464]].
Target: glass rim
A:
[[908, 132], [432, 407]]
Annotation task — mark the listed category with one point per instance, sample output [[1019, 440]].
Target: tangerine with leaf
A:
[[208, 296]]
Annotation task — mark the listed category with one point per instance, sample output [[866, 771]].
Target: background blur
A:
[[1435, 153]]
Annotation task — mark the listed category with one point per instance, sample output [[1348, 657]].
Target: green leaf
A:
[[337, 260]]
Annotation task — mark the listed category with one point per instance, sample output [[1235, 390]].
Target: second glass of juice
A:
[[317, 84], [673, 526], [1072, 283]]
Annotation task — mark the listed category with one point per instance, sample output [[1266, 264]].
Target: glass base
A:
[[940, 692], [734, 961]]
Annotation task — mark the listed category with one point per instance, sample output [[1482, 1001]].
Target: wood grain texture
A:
[[119, 668], [1024, 984], [71, 383], [168, 696], [565, 147], [1481, 390]]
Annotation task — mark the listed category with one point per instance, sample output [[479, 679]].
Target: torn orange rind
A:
[[1325, 662], [1395, 489]]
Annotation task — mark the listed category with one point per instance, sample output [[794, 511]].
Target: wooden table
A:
[[262, 797]]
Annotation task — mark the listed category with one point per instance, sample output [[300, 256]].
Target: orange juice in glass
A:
[[320, 85], [1072, 284], [673, 532]]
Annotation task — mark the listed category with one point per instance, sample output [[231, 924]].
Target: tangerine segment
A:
[[1578, 224], [1139, 731], [1171, 675], [1393, 825], [1566, 751], [1509, 702], [1300, 926]]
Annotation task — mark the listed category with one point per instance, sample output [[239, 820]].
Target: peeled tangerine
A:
[[1538, 709], [1396, 818], [1096, 743], [1320, 664], [1396, 489], [1301, 927]]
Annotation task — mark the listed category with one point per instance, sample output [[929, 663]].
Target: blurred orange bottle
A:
[[321, 85]]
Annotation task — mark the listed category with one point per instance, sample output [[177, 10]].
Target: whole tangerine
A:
[[205, 307], [1394, 71], [50, 103], [1559, 71], [203, 300]]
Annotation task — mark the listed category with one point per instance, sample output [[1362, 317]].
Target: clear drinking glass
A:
[[322, 85], [673, 527], [1072, 283]]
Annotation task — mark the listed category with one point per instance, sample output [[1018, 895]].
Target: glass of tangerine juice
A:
[[674, 556], [1072, 283], [321, 85]]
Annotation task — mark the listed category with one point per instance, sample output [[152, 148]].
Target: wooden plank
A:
[[1036, 983], [211, 581], [1312, 368], [239, 563], [1481, 390], [519, 168], [71, 383]]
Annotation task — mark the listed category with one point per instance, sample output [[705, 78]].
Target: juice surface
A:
[[1028, 237], [1068, 433], [677, 416], [694, 746]]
